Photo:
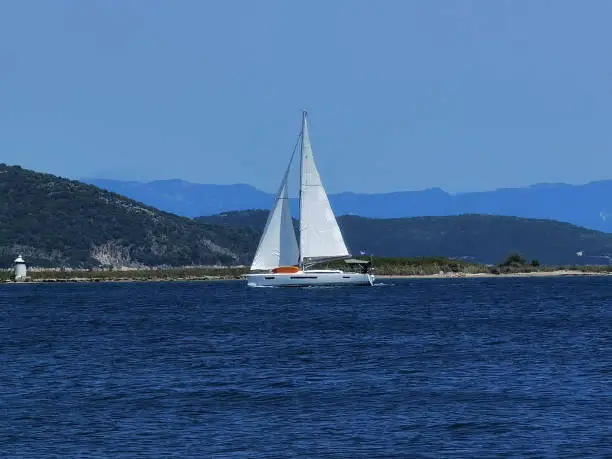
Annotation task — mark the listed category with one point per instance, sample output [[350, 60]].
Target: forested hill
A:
[[53, 221], [482, 238], [56, 222]]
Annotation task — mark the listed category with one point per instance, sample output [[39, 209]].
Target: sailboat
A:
[[279, 261]]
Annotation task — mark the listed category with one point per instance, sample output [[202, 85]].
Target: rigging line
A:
[[297, 142]]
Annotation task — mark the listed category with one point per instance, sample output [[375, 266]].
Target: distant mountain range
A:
[[188, 199], [588, 205]]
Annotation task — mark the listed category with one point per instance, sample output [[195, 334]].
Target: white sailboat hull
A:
[[309, 279]]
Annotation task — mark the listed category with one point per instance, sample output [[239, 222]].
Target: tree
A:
[[514, 259]]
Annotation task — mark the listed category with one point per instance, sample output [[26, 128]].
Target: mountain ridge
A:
[[478, 238], [58, 222], [583, 205]]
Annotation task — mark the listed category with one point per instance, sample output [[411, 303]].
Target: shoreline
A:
[[460, 275]]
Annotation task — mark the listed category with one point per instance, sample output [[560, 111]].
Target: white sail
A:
[[278, 245], [320, 236]]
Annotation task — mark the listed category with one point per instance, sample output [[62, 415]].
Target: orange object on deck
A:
[[285, 269]]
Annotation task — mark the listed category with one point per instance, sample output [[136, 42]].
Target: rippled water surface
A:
[[419, 368]]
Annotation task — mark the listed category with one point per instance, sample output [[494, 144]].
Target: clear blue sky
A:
[[463, 95]]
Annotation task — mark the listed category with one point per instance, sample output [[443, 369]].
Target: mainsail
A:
[[278, 245], [320, 236]]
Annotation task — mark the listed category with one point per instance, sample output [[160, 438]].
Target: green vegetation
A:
[[56, 222], [415, 266], [515, 263]]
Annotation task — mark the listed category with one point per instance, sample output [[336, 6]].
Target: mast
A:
[[304, 115]]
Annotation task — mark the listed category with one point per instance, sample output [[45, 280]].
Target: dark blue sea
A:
[[468, 368]]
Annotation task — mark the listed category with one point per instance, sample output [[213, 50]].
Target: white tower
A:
[[20, 268]]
